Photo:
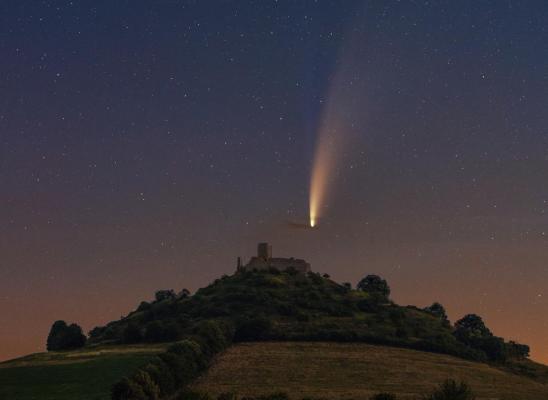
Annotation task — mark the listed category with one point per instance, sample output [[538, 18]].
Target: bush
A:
[[65, 337], [161, 375], [127, 389], [451, 390], [149, 387], [181, 370]]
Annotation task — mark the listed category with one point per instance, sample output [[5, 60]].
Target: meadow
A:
[[85, 375], [354, 371]]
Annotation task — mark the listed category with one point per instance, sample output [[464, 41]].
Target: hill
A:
[[353, 371], [164, 345]]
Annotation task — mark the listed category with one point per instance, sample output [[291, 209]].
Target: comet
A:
[[340, 122]]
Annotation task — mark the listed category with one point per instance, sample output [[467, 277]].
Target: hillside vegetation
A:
[[353, 371], [273, 305], [162, 347]]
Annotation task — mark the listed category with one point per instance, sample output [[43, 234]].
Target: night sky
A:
[[146, 144]]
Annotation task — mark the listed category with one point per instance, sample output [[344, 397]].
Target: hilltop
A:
[[291, 306]]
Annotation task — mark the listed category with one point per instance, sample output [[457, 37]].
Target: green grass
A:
[[354, 371], [83, 375]]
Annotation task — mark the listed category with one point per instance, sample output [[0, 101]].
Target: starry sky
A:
[[146, 144]]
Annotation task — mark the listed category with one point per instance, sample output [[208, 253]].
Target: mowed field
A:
[[354, 371], [85, 374]]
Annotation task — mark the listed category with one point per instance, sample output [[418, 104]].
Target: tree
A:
[[374, 285], [517, 350], [437, 310], [472, 331], [451, 390], [162, 295], [183, 294], [471, 325], [132, 333], [65, 337]]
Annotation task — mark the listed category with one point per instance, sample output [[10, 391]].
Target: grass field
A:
[[84, 375], [354, 371]]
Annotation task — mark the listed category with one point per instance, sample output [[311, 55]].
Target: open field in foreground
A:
[[85, 374], [354, 371]]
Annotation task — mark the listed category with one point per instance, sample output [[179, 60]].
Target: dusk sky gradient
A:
[[145, 145]]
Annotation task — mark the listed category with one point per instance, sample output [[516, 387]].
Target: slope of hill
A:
[[353, 371], [86, 374]]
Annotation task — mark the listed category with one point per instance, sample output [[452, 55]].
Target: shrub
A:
[[161, 375], [451, 390], [127, 389], [149, 387], [190, 351], [181, 370], [65, 337]]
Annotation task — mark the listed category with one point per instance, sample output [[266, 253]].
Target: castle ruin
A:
[[264, 261]]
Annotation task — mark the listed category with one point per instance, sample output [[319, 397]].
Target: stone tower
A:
[[264, 251]]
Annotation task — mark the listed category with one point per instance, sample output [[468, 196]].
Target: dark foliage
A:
[[65, 337], [132, 333], [452, 390], [438, 311], [252, 329], [162, 295], [178, 366], [375, 285]]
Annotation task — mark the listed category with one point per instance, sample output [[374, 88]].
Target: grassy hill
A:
[[354, 371], [85, 374], [274, 306]]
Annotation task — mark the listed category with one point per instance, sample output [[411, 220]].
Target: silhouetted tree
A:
[[65, 337], [517, 350], [375, 285], [472, 331], [161, 295], [183, 294], [437, 310], [471, 325]]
